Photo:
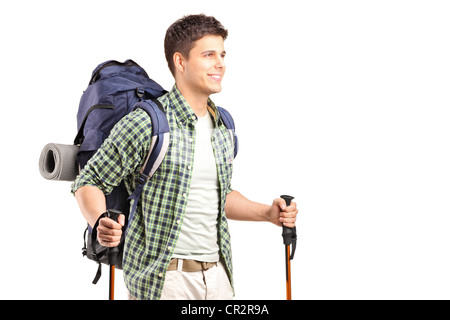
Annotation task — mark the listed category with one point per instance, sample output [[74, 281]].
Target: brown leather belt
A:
[[190, 265]]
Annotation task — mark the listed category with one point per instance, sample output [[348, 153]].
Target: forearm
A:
[[92, 203], [240, 208]]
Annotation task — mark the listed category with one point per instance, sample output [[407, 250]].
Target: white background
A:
[[343, 104]]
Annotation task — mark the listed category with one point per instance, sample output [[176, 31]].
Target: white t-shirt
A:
[[198, 234]]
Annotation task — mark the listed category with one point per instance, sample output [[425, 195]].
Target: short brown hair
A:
[[182, 34]]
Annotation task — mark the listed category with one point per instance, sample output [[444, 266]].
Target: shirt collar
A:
[[183, 112]]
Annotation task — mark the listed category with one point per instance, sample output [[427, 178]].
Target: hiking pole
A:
[[289, 237], [112, 255]]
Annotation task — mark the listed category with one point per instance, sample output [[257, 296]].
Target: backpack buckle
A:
[[143, 178], [140, 92]]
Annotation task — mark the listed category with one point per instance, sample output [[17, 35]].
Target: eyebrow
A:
[[213, 51]]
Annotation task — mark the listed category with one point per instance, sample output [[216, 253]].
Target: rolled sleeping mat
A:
[[58, 162]]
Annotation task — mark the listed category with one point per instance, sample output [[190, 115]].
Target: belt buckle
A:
[[207, 265]]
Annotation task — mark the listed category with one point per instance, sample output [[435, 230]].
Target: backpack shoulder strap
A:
[[229, 123], [160, 136], [158, 147]]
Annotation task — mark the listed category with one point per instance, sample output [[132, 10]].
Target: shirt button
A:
[[160, 275], [191, 140], [193, 118], [189, 167], [178, 221], [169, 248], [184, 195]]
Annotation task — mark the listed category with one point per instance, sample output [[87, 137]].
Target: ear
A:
[[178, 61]]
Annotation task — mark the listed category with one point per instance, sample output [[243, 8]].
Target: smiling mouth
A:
[[215, 77]]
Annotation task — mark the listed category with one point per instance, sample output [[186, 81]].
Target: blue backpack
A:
[[116, 89]]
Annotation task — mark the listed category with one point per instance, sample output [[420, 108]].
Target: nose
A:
[[220, 63]]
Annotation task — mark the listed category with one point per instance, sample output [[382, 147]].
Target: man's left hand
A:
[[280, 214]]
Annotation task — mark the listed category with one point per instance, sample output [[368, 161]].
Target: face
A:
[[203, 71]]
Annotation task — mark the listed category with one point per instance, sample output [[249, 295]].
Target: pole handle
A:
[[113, 252], [289, 234]]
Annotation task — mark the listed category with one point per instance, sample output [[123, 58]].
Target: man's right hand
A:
[[109, 231]]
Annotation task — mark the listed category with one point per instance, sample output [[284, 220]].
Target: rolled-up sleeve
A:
[[120, 154]]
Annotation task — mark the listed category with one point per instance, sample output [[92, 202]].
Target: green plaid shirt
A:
[[153, 232]]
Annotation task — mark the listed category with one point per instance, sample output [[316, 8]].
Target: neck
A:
[[197, 101]]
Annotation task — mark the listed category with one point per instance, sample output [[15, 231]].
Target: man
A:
[[177, 245]]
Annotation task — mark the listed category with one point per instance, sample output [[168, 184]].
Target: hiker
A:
[[177, 246]]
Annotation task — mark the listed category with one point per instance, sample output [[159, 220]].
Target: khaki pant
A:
[[211, 284]]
